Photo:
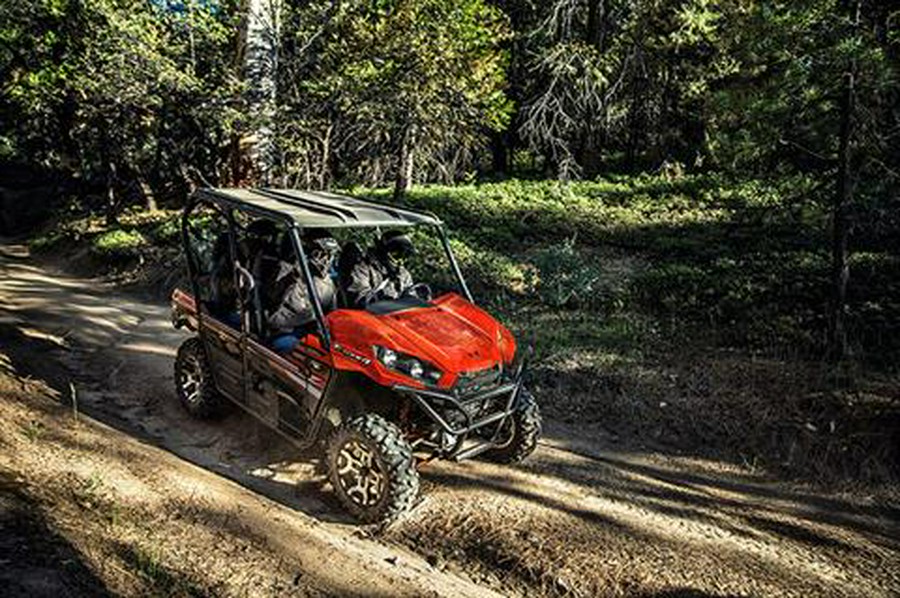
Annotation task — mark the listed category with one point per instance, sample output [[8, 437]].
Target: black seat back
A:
[[351, 254]]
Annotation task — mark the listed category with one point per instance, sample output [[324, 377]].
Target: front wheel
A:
[[372, 469], [520, 433]]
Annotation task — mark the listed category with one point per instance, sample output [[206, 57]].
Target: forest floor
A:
[[132, 497]]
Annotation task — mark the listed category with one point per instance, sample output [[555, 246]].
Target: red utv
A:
[[385, 388]]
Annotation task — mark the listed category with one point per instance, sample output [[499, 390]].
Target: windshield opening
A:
[[391, 264]]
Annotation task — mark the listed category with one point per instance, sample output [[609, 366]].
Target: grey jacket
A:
[[373, 280], [295, 308]]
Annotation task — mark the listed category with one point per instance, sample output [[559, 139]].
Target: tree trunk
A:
[[261, 72], [635, 125], [112, 176], [596, 24], [588, 154], [500, 153], [112, 204], [325, 166], [147, 193], [840, 269], [187, 178], [405, 162]]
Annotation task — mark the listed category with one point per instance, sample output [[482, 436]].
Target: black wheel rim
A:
[[190, 379], [360, 474]]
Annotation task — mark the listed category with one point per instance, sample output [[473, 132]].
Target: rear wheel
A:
[[520, 433], [194, 382], [372, 469]]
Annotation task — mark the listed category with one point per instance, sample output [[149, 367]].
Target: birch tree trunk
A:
[[112, 202], [262, 31], [405, 162]]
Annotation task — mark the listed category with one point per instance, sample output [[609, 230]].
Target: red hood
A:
[[444, 335], [451, 333]]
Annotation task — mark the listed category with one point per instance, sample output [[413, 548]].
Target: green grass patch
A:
[[119, 242], [747, 259], [135, 232]]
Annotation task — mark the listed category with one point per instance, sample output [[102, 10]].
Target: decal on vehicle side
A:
[[354, 356]]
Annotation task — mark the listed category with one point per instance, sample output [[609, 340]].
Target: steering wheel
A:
[[420, 290]]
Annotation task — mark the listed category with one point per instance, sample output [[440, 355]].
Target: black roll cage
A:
[[225, 205]]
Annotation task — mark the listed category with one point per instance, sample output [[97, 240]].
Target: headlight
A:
[[387, 357], [407, 365]]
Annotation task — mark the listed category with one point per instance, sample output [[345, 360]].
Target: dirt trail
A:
[[581, 517]]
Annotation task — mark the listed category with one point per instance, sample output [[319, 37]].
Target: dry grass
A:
[[518, 560], [128, 535], [789, 417]]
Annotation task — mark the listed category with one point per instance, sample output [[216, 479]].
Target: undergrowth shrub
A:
[[119, 243], [747, 259], [167, 232], [564, 277]]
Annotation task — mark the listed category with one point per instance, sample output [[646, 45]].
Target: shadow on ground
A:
[[37, 561]]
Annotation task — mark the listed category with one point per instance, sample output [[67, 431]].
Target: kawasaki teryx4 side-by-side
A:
[[384, 387]]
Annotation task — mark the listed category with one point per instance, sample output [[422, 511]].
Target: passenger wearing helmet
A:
[[291, 311], [223, 301], [260, 240], [379, 274], [255, 247]]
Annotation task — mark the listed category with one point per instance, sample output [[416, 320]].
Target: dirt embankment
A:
[[583, 517], [88, 510]]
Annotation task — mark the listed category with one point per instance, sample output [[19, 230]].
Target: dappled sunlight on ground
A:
[[153, 524]]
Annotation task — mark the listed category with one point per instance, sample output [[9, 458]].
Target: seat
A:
[[352, 254]]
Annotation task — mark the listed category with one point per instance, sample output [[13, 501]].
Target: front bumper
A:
[[466, 412]]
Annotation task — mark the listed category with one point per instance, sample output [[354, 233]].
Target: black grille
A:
[[470, 383]]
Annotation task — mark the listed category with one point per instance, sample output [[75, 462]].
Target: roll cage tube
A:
[[310, 286], [189, 254], [193, 269], [453, 263]]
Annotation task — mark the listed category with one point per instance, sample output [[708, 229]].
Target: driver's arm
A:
[[404, 280], [360, 290], [408, 288]]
